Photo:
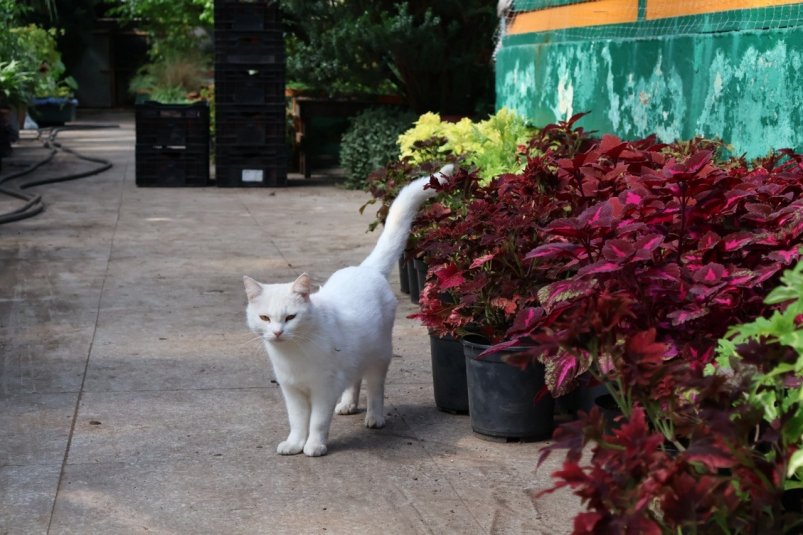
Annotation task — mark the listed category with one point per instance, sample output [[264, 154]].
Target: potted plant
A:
[[479, 281], [669, 245], [739, 468], [768, 354], [15, 91], [53, 101]]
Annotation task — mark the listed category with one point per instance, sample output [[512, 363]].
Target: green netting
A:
[[754, 19]]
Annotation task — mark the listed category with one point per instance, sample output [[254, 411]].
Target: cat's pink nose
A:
[[277, 334]]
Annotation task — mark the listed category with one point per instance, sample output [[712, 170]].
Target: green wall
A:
[[745, 86]]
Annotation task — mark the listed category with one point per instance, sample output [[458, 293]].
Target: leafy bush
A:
[[491, 145], [175, 78], [173, 27], [15, 84], [370, 142], [661, 249], [435, 54], [479, 279], [631, 260], [737, 462], [38, 51], [657, 241], [770, 352]]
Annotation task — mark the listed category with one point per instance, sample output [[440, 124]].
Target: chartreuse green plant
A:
[[491, 145], [37, 50], [15, 84], [770, 349]]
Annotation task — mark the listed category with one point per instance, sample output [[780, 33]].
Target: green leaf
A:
[[795, 464]]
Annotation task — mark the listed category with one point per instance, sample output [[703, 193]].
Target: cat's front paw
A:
[[374, 421], [312, 449], [345, 407], [289, 447]]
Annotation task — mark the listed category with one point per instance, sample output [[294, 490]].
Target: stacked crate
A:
[[172, 144], [250, 124]]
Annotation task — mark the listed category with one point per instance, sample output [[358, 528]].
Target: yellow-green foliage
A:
[[491, 145]]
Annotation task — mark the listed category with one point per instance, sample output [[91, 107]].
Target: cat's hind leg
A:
[[350, 399], [375, 390], [298, 412]]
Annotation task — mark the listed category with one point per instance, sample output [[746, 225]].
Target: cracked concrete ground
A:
[[133, 398]]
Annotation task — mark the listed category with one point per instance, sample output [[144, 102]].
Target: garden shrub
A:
[[491, 145], [370, 142], [631, 260]]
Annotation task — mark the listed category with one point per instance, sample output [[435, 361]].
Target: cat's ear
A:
[[303, 286], [252, 288]]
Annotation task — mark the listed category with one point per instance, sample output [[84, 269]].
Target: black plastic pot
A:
[[502, 398], [404, 282], [412, 279], [420, 272], [449, 374]]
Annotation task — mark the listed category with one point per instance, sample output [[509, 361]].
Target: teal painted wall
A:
[[743, 86]]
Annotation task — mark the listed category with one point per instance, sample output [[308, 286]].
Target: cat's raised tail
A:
[[402, 212]]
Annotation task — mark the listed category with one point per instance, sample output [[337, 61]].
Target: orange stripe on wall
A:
[[594, 13], [662, 9]]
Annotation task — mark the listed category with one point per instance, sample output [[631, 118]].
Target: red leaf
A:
[[679, 317], [600, 267], [737, 240], [564, 290], [618, 250], [708, 241], [505, 304], [710, 274], [650, 242], [632, 197], [741, 277], [697, 161], [449, 276], [597, 216], [482, 260], [710, 456], [567, 226], [553, 250], [586, 523], [526, 320], [785, 257]]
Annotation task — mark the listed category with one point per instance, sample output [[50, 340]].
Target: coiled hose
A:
[[33, 201]]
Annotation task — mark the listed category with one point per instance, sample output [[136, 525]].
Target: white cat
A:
[[323, 344]]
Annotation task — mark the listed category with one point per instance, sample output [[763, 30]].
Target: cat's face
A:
[[277, 312]]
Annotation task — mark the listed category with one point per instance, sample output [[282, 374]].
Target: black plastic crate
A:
[[244, 168], [250, 126], [232, 15], [255, 85], [170, 167], [262, 47], [172, 125]]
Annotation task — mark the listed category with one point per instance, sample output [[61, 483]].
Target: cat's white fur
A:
[[323, 344]]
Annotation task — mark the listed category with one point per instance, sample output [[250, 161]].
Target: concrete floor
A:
[[133, 399]]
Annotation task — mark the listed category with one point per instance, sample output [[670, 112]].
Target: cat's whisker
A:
[[257, 338]]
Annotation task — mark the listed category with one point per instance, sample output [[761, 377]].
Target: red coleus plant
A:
[[479, 278], [669, 250], [681, 247], [637, 482]]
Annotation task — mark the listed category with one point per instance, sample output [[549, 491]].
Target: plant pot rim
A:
[[480, 344], [43, 101]]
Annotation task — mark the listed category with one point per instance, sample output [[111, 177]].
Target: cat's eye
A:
[[265, 318], [290, 317]]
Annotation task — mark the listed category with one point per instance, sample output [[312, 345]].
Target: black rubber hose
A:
[[33, 202]]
